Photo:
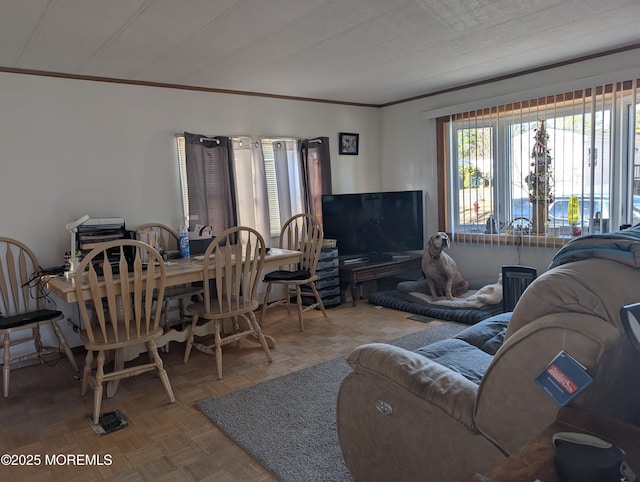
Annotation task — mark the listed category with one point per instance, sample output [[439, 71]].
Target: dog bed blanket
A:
[[482, 295], [464, 301], [481, 299], [397, 300]]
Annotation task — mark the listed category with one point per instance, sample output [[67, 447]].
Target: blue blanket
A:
[[621, 246]]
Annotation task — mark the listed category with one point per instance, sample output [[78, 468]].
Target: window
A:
[[182, 160], [279, 175], [272, 186], [511, 170], [284, 181]]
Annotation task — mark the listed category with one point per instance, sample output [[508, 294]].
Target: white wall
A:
[[70, 147], [409, 144]]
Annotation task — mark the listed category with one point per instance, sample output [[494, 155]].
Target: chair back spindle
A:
[[124, 309], [166, 239], [17, 265], [235, 263], [166, 236], [303, 233]]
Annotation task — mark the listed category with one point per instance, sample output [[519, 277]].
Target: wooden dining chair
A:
[[167, 240], [303, 233], [22, 309], [124, 313], [231, 270]]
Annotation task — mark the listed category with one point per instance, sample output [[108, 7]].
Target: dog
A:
[[443, 276]]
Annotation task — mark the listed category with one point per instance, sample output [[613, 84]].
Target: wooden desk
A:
[[352, 274], [535, 459], [179, 271]]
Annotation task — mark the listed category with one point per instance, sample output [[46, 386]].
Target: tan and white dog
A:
[[443, 276]]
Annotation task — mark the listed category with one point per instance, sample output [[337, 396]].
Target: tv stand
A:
[[354, 272], [376, 256]]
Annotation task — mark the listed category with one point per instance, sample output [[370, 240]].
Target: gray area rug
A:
[[288, 424]]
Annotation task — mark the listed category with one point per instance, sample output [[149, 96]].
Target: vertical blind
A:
[[500, 188]]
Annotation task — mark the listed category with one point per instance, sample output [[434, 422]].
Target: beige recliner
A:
[[402, 416]]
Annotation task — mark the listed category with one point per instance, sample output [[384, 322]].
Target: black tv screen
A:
[[374, 222]]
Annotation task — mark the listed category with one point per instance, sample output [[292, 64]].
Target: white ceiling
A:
[[356, 51]]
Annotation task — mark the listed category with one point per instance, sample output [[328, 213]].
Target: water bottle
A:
[[185, 252]]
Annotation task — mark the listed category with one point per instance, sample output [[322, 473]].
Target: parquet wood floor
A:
[[45, 413]]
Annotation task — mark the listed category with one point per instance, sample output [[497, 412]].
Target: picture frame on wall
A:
[[348, 143]]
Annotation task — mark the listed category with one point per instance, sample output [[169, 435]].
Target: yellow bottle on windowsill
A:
[[573, 215]]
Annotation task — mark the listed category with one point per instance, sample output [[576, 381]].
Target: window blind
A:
[[511, 172]]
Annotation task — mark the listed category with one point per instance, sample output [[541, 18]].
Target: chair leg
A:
[[287, 294], [86, 373], [162, 373], [299, 307], [118, 366], [37, 341], [164, 317], [318, 299], [65, 345], [263, 341], [265, 303], [181, 312], [6, 369], [164, 321], [218, 342], [187, 350], [236, 327], [97, 389]]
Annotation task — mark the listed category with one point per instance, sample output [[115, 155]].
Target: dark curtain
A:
[[316, 173], [209, 162]]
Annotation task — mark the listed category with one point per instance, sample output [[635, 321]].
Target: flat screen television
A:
[[374, 224]]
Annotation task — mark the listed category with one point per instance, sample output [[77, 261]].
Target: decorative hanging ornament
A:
[[539, 179]]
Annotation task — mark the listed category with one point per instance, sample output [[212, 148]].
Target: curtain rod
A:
[[290, 138], [273, 138]]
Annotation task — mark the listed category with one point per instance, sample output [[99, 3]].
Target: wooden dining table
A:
[[178, 271]]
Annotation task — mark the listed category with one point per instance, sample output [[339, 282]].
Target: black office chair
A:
[[515, 280]]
